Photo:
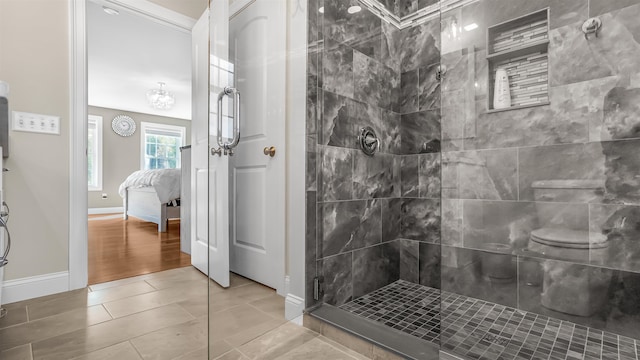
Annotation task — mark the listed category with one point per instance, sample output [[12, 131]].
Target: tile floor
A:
[[402, 305], [479, 329], [160, 316], [164, 316]]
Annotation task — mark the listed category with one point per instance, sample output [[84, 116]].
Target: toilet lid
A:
[[572, 239]]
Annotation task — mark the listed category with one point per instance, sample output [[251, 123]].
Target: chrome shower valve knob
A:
[[368, 141], [591, 26]]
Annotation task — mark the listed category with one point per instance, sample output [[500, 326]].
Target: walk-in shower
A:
[[498, 218]]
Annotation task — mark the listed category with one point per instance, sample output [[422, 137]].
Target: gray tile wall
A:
[[589, 131], [369, 218], [452, 179]]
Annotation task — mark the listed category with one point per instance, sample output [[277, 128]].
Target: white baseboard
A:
[[298, 321], [293, 307], [34, 286], [287, 285], [109, 210]]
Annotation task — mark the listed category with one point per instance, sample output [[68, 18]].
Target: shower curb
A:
[[395, 342]]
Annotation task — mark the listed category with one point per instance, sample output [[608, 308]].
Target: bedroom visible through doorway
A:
[[139, 122]]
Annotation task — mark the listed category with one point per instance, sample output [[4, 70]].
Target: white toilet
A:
[[570, 245], [569, 286]]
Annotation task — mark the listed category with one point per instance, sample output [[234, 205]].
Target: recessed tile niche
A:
[[520, 46]]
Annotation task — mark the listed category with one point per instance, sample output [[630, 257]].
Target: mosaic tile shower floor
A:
[[482, 330]]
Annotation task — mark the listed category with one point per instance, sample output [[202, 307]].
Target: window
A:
[[94, 153], [160, 145]]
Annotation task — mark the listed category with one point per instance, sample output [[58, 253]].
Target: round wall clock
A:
[[123, 125]]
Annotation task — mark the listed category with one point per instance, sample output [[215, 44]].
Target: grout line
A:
[[382, 243], [555, 338], [618, 345], [262, 311], [537, 344], [518, 174], [573, 330], [108, 312], [189, 312], [228, 352], [382, 225], [238, 348], [518, 268], [519, 323], [601, 345], [148, 283], [135, 348]]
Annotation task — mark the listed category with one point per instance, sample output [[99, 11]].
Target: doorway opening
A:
[[138, 133]]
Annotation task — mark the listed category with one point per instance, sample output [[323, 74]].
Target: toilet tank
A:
[[571, 191], [547, 192]]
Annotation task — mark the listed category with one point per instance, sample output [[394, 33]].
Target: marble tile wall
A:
[[455, 193], [368, 218], [315, 47], [570, 166]]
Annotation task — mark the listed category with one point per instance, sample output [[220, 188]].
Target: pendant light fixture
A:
[[161, 99]]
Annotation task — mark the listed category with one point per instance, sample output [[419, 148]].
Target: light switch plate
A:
[[37, 123]]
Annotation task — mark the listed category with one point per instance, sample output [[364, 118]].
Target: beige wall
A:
[[121, 155], [34, 60]]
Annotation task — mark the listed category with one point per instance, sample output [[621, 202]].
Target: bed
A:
[[152, 195]]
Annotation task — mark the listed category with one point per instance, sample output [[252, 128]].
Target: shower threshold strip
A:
[[400, 343], [478, 329]]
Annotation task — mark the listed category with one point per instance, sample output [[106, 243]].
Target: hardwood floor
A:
[[120, 249]]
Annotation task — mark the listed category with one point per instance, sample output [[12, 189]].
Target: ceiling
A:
[[129, 54]]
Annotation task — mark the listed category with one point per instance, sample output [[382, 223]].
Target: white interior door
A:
[[210, 173], [257, 47]]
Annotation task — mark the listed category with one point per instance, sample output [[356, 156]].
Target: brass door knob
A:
[[271, 151]]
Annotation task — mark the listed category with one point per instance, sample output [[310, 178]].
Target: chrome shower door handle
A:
[[4, 258], [228, 146]]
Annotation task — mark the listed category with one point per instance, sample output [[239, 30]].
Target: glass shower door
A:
[[373, 229], [246, 166], [539, 189]]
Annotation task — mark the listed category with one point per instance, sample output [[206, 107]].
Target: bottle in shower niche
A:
[[501, 94]]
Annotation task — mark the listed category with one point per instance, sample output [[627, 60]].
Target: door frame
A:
[[294, 256], [78, 106], [78, 177]]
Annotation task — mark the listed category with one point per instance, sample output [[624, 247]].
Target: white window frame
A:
[[99, 151], [145, 126]]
